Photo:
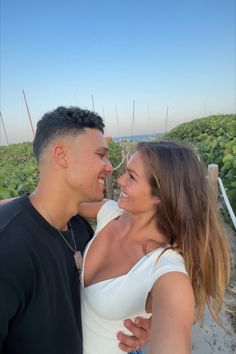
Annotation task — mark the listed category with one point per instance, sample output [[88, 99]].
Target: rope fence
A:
[[227, 203], [213, 175]]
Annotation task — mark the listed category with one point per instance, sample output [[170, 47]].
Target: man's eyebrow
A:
[[132, 171]]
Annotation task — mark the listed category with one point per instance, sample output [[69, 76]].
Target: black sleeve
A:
[[12, 295]]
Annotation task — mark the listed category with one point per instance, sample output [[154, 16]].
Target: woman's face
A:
[[135, 195]]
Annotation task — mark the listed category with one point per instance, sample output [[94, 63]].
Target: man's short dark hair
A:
[[64, 121]]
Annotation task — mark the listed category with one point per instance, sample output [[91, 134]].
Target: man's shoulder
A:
[[10, 211]]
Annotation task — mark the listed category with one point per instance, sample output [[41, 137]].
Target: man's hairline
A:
[[68, 135]]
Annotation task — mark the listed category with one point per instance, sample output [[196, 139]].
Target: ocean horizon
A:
[[141, 137]]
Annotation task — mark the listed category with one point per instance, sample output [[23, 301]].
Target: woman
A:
[[160, 250]]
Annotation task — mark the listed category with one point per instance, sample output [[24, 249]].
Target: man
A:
[[41, 233]]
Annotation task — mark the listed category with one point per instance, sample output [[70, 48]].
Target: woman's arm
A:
[[90, 210], [87, 210], [172, 314]]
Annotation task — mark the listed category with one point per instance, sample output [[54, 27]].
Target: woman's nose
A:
[[120, 180]]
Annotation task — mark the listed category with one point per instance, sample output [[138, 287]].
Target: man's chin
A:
[[97, 198]]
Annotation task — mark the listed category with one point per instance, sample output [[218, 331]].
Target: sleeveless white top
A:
[[106, 304]]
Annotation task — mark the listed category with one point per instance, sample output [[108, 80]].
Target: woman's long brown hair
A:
[[189, 218]]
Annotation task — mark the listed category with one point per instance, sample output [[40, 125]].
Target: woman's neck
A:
[[142, 229]]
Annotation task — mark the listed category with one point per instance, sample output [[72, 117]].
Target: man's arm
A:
[[9, 293], [89, 210], [8, 308]]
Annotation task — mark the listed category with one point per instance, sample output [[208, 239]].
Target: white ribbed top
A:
[[106, 304]]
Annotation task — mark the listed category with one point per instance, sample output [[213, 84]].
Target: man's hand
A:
[[141, 329]]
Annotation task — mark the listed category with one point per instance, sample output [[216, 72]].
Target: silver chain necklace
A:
[[73, 238], [77, 254]]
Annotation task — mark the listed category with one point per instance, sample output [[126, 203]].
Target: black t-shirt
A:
[[39, 283]]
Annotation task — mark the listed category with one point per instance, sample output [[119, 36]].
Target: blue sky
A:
[[160, 53]]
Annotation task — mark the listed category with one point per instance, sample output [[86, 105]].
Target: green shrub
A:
[[115, 158], [18, 170], [215, 139]]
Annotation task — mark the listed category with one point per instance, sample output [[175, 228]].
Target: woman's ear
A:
[[156, 200]]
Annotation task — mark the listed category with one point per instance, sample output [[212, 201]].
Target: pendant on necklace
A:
[[78, 260]]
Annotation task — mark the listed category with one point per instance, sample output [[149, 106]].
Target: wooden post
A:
[[213, 180], [109, 187]]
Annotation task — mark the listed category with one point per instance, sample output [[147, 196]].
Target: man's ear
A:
[[60, 155]]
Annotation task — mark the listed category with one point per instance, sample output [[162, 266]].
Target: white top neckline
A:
[[100, 228]]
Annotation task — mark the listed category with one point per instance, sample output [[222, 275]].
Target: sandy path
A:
[[211, 339]]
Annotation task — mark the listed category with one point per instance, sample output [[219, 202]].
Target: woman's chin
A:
[[121, 203]]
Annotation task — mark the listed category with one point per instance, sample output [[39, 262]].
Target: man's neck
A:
[[53, 207]]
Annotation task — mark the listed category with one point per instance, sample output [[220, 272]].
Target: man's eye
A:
[[131, 176], [100, 154]]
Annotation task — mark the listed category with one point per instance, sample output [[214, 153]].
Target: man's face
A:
[[88, 165]]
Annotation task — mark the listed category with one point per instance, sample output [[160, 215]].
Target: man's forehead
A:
[[92, 138]]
